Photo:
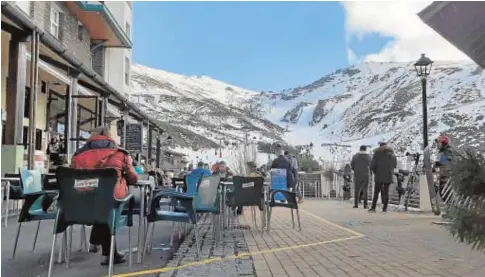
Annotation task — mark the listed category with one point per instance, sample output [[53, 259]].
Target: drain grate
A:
[[242, 227]]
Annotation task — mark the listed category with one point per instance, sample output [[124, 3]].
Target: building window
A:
[[38, 139], [128, 29], [80, 29], [25, 137], [3, 130], [55, 14], [127, 71], [27, 102], [43, 87]]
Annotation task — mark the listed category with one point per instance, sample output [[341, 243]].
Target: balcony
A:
[[100, 22]]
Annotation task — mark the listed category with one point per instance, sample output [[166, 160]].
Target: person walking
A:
[[382, 165], [361, 166]]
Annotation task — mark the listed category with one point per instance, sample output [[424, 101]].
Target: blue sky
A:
[[254, 45]]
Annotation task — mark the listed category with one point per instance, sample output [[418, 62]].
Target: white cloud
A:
[[399, 20], [351, 57]]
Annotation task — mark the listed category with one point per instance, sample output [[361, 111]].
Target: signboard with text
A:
[[134, 137]]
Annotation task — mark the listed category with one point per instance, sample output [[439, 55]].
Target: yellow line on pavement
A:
[[332, 224], [241, 255], [356, 235]]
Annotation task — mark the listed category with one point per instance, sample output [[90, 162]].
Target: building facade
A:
[[77, 55]]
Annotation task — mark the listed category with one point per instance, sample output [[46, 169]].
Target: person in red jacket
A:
[[101, 151], [223, 170]]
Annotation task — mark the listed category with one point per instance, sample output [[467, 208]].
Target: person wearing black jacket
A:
[[361, 166], [382, 165], [283, 163]]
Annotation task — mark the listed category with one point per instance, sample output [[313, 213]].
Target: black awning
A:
[[462, 23]]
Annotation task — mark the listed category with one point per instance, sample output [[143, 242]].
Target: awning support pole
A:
[[71, 113], [34, 79], [149, 156], [15, 100], [158, 149]]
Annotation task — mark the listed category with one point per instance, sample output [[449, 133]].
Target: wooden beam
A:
[[14, 31]]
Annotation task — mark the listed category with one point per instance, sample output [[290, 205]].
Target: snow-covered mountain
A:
[[200, 112], [362, 104], [369, 102]]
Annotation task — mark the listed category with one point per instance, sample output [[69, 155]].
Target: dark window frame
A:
[[27, 103], [127, 71], [38, 139], [80, 30], [43, 87]]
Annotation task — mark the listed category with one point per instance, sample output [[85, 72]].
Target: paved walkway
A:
[[335, 240], [30, 263]]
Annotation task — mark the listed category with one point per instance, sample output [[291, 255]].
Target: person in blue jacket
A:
[[192, 179], [201, 170]]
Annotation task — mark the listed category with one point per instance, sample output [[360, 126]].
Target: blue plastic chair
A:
[[32, 209], [208, 200], [192, 181], [139, 170], [86, 198], [279, 182], [157, 213]]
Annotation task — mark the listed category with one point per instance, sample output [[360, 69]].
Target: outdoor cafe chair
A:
[[158, 213], [280, 196], [191, 183], [14, 191], [249, 192], [178, 183], [32, 209], [208, 200], [86, 198]]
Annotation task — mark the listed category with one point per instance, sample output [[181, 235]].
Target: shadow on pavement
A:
[[30, 263]]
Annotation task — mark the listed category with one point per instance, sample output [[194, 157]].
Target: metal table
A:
[[143, 185], [224, 185], [6, 181]]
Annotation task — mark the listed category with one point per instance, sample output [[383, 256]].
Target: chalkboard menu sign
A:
[[134, 137]]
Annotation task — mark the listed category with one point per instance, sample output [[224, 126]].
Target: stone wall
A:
[[76, 39]]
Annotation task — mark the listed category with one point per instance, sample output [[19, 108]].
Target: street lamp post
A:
[[423, 69]]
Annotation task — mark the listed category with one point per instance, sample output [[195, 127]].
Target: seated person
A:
[[200, 170], [223, 171], [254, 171], [100, 151], [167, 180], [183, 172]]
